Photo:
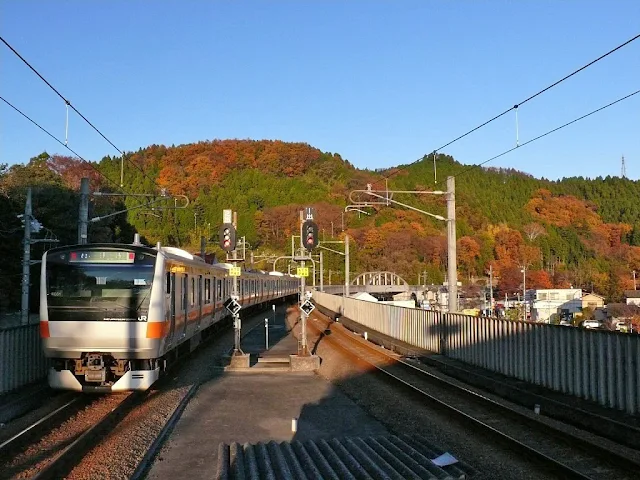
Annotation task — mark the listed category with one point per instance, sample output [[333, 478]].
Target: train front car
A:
[[96, 303]]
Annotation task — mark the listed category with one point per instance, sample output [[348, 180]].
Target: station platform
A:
[[270, 347], [283, 424], [278, 406]]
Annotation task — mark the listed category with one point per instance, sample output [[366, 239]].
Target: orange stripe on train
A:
[[157, 329]]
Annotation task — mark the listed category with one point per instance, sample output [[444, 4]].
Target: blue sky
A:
[[380, 82]]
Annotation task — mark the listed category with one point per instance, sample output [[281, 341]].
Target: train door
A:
[[200, 300], [185, 306], [171, 291]]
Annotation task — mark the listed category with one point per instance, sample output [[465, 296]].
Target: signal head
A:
[[227, 237], [310, 235]]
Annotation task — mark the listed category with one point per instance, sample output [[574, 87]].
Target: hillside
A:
[[580, 232]]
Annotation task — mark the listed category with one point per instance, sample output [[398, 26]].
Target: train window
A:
[[168, 283], [219, 288], [193, 290], [207, 290]]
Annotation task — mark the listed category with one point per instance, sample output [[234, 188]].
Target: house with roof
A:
[[544, 303], [592, 301]]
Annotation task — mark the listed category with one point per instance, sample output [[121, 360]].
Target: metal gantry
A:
[[385, 197]]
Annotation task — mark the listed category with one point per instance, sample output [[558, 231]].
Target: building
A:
[[592, 301], [544, 303], [632, 297]]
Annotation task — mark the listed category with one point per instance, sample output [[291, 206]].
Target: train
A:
[[113, 317]]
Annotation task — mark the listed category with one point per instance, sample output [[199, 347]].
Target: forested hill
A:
[[580, 232]]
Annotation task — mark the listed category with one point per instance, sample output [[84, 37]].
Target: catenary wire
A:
[[514, 107], [60, 142], [90, 164], [59, 94], [547, 133], [575, 120], [67, 102]]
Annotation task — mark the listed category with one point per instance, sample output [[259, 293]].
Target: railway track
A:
[[41, 426], [43, 448], [555, 450]]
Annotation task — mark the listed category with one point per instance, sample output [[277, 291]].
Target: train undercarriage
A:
[[101, 372]]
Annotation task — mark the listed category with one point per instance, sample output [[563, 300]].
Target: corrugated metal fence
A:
[[21, 357], [595, 365]]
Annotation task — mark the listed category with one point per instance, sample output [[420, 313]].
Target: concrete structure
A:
[[595, 365], [545, 302], [592, 300]]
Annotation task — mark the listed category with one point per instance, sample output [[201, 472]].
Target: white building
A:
[[544, 303], [632, 297]]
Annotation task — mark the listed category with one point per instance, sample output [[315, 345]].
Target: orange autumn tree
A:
[[468, 250]]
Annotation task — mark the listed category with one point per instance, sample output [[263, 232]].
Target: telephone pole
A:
[[26, 260], [491, 287], [84, 212], [452, 277]]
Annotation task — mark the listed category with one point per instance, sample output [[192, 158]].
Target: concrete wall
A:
[[21, 358], [596, 365]]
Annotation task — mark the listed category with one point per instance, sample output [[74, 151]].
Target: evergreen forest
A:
[[576, 232]]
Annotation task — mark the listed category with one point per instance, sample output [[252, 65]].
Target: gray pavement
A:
[[260, 407], [257, 408]]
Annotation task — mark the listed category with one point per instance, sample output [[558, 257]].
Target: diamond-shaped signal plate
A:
[[307, 307], [233, 306]]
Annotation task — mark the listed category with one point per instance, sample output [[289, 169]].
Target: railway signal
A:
[[310, 234], [227, 237]]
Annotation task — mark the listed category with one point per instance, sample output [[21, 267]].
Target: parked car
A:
[[566, 323], [591, 324], [622, 327]]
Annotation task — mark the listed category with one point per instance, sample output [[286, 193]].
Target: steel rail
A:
[[73, 454], [11, 443]]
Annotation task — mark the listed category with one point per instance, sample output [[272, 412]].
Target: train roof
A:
[[178, 252]]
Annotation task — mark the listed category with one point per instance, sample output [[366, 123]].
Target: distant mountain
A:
[[580, 232]]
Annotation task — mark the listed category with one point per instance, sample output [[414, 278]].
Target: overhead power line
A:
[[58, 140], [67, 102], [515, 106], [548, 133]]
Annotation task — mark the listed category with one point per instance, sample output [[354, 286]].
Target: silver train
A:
[[113, 316]]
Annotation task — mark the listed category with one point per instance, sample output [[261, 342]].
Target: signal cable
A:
[[515, 107], [547, 133]]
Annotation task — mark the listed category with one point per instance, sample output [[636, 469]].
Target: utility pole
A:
[[203, 247], [491, 287], [84, 212], [524, 292], [452, 277], [26, 260], [346, 266], [321, 273]]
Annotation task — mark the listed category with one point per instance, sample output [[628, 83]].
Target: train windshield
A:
[[94, 285]]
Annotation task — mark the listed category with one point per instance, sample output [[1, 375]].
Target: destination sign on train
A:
[[104, 256]]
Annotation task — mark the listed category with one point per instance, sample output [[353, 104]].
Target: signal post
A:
[[239, 359], [304, 361]]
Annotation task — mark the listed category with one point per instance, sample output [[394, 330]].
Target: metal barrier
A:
[[595, 365], [21, 358]]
